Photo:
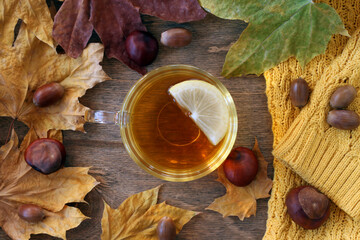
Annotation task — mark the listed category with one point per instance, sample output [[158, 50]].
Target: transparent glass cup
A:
[[123, 119]]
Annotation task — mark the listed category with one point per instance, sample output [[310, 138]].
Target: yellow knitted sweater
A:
[[326, 157], [279, 225]]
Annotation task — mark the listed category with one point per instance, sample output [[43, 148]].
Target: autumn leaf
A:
[[114, 20], [73, 31], [114, 26], [277, 30], [34, 13], [241, 201], [30, 64], [20, 184], [171, 10], [137, 217]]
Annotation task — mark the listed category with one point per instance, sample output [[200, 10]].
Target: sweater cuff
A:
[[326, 159]]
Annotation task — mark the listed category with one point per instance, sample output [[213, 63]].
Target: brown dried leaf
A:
[[241, 201], [52, 9], [31, 64], [55, 134], [137, 217], [114, 20], [172, 10], [72, 28], [55, 224], [34, 13], [20, 184]]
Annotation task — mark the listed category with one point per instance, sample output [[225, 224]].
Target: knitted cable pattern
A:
[[326, 157], [279, 225]]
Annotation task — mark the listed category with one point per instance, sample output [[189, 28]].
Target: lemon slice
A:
[[207, 107]]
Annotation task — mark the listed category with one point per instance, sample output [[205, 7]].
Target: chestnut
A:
[[343, 96], [166, 229], [142, 47], [307, 207], [176, 37], [299, 92], [31, 213], [241, 166], [48, 94], [343, 119], [45, 155]]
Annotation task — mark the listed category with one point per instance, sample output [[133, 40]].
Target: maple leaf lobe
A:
[[172, 10], [34, 13], [29, 55], [277, 30], [23, 185], [138, 216], [72, 28], [113, 26], [241, 201]]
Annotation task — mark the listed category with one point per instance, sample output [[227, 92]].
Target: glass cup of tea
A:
[[159, 136]]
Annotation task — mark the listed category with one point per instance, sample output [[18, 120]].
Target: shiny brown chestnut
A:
[[307, 207], [45, 155], [343, 119], [31, 213], [166, 229], [299, 92], [176, 37], [48, 94], [142, 47], [343, 96], [241, 166]]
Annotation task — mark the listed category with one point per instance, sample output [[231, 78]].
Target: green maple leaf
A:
[[277, 30]]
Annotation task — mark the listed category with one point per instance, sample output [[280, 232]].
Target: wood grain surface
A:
[[101, 146]]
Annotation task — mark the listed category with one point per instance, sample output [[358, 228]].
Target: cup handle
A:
[[104, 117]]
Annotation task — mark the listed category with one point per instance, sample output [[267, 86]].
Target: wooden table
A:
[[101, 146]]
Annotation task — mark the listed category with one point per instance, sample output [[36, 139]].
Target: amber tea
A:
[[163, 138], [164, 133]]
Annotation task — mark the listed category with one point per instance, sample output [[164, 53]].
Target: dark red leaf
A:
[[72, 28], [172, 10], [113, 21]]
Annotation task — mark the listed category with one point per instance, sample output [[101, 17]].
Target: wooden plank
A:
[[101, 146]]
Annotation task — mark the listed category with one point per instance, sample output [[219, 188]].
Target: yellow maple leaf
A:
[[137, 217], [30, 64], [34, 13], [20, 184], [241, 201]]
